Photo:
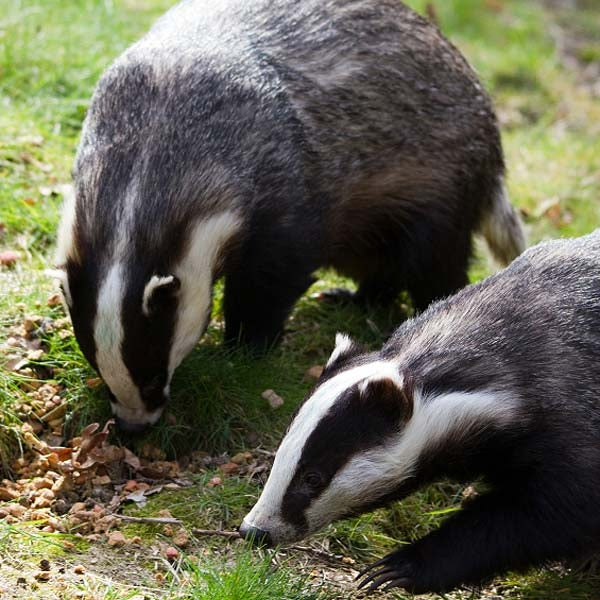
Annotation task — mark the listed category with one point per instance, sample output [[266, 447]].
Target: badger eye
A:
[[313, 480]]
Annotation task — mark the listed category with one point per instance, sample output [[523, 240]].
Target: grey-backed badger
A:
[[500, 381], [259, 141]]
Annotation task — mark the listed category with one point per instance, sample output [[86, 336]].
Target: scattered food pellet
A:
[[274, 400], [172, 554], [314, 372], [116, 539], [42, 575], [229, 468], [8, 258], [215, 481], [53, 300], [79, 569]]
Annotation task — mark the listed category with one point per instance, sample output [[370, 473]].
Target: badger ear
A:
[[390, 395], [159, 287], [344, 346]]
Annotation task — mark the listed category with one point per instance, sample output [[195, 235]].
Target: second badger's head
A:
[[360, 440]]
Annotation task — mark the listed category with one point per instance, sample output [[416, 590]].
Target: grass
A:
[[531, 58]]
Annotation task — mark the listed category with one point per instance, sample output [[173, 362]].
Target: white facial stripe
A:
[[108, 336], [195, 272], [65, 249], [290, 451], [155, 282], [371, 474], [343, 343]]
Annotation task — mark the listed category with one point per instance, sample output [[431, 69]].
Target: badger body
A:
[[500, 381], [259, 141]]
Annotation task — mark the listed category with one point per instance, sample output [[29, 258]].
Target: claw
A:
[[377, 563], [400, 582], [364, 582]]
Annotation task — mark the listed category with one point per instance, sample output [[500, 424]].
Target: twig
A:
[[232, 535], [155, 520], [334, 558]]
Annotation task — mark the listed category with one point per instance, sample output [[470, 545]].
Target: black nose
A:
[[254, 535], [131, 428]]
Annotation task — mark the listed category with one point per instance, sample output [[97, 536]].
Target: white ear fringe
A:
[[154, 283], [343, 343]]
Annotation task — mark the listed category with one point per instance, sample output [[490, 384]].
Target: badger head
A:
[[135, 319], [366, 435], [332, 460]]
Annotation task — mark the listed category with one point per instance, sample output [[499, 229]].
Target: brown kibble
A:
[[42, 575], [116, 539], [54, 300], [31, 322], [229, 468], [130, 486], [43, 498], [172, 554], [314, 372], [274, 400], [181, 538], [79, 569], [215, 481], [241, 458], [8, 258]]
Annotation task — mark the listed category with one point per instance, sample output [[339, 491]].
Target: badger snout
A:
[[255, 535]]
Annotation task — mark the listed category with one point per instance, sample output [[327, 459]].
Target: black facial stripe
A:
[[84, 293], [147, 340], [351, 426]]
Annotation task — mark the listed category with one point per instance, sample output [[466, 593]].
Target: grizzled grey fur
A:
[[499, 382], [339, 133]]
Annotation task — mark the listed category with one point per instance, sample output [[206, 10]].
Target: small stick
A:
[[232, 535], [155, 520]]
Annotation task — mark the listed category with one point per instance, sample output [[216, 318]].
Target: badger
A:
[[259, 141], [501, 382]]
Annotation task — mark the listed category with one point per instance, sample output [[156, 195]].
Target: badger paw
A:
[[397, 569]]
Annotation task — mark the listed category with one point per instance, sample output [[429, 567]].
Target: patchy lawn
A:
[[202, 467]]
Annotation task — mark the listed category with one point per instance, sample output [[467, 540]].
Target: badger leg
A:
[[496, 533], [441, 274], [257, 302]]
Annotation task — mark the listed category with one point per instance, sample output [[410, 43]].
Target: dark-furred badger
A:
[[500, 381], [259, 141]]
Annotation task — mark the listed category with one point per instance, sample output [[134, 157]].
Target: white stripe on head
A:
[[370, 475], [268, 507], [195, 272], [108, 336]]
